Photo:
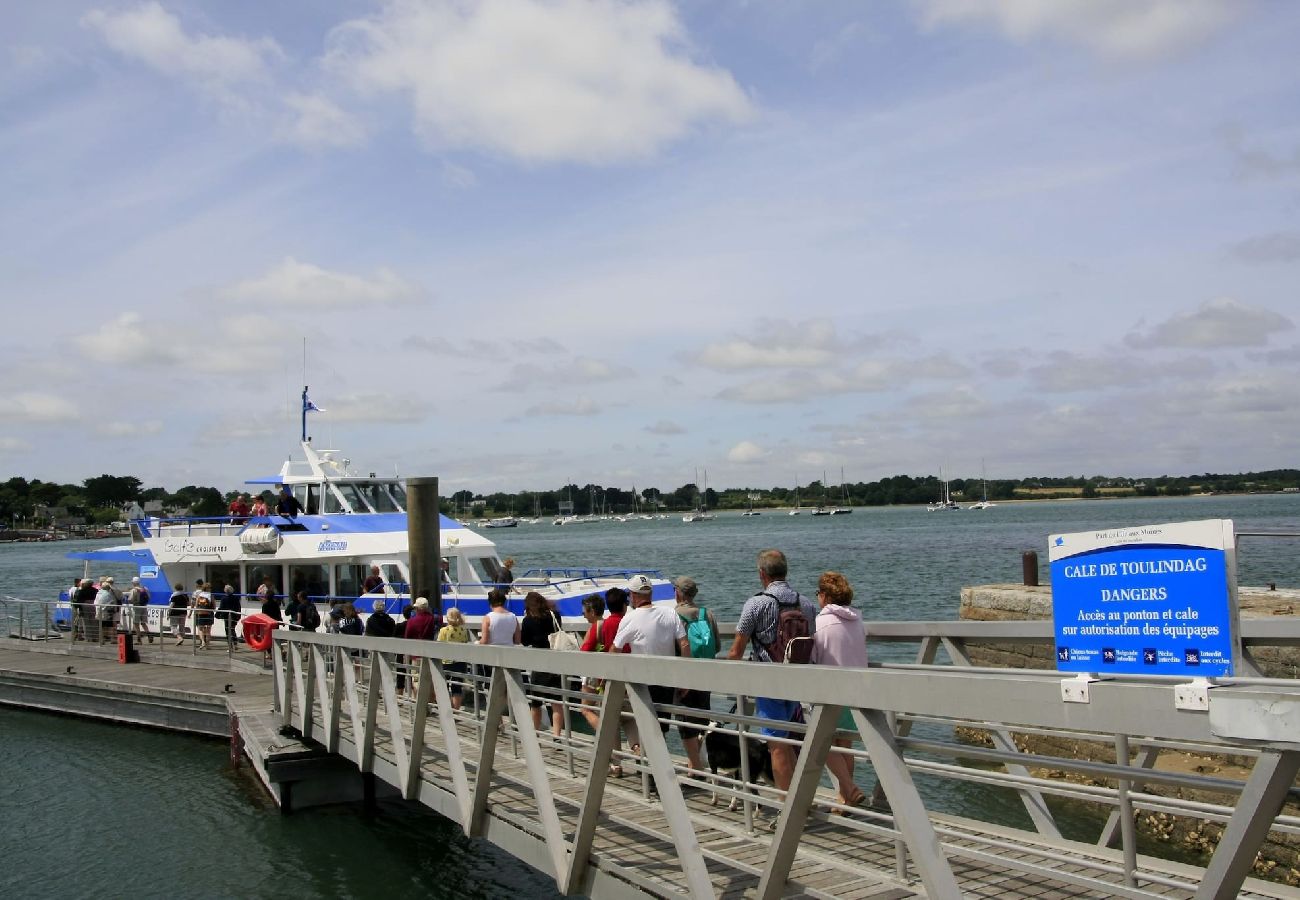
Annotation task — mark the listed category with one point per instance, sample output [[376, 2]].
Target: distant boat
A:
[[822, 509], [945, 499], [845, 507], [701, 513], [502, 522], [796, 510], [984, 501], [751, 511]]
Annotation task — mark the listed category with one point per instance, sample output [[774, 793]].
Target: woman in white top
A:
[[500, 626]]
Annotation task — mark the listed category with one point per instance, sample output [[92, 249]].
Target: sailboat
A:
[[844, 508], [796, 510], [751, 511], [984, 500], [822, 509], [701, 514], [945, 499]]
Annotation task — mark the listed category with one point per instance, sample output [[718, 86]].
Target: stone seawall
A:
[[1279, 858]]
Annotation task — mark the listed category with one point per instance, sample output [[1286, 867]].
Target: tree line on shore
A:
[[101, 499]]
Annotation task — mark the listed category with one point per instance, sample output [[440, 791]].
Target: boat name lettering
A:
[[192, 545], [327, 545]]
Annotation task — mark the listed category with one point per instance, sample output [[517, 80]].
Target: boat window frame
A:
[[350, 488]]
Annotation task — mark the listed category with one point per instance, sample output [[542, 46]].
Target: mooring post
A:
[[423, 541], [1029, 566]]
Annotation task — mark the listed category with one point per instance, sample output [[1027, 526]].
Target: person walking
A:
[[138, 610], [650, 630], [702, 636], [379, 623], [593, 607], [840, 640], [107, 601], [500, 628], [535, 631], [204, 614], [455, 632], [756, 629], [178, 607], [230, 612]]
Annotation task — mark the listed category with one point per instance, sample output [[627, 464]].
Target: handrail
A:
[[1142, 706]]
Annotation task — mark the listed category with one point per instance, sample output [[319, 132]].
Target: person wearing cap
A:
[[423, 625], [650, 630], [379, 623], [107, 601], [758, 623], [138, 610], [229, 612], [691, 727]]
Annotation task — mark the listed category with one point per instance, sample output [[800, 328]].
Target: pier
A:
[[327, 726]]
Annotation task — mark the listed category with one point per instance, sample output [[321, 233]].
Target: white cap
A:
[[639, 584], [135, 580]]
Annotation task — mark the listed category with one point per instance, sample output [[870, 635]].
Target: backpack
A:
[[142, 596], [311, 618], [700, 635], [793, 643]]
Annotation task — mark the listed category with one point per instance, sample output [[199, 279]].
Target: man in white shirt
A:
[[649, 630]]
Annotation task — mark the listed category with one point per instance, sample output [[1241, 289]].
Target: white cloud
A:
[[372, 407], [1268, 248], [789, 388], [777, 344], [317, 121], [300, 284], [1065, 372], [581, 370], [1216, 324], [153, 36], [34, 408], [746, 452], [595, 81], [456, 176], [127, 429], [582, 406], [1139, 29], [130, 340], [663, 426], [11, 444]]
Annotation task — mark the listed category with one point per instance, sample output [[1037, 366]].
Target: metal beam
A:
[[670, 792], [496, 707], [798, 801], [602, 753], [909, 811], [1270, 780], [547, 814]]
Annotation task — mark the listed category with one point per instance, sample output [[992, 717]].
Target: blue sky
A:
[[529, 242]]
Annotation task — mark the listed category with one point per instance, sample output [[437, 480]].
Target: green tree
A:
[[111, 490]]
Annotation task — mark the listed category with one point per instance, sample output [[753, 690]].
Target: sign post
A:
[[1149, 600]]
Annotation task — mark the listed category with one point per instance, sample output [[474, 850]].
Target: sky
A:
[[518, 243]]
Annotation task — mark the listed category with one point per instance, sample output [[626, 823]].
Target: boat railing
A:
[[1246, 719], [191, 526], [567, 576]]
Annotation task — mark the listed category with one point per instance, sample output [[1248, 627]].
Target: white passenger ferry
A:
[[349, 525]]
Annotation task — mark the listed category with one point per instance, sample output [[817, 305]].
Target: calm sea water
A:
[[75, 785]]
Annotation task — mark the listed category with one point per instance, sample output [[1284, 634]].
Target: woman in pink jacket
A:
[[840, 640]]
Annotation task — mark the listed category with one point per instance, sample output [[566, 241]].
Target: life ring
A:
[[257, 631]]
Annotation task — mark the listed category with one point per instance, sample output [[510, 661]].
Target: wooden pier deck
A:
[[533, 788]]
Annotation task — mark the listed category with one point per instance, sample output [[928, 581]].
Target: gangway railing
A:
[[364, 718]]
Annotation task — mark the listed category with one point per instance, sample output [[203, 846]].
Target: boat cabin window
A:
[[378, 497], [315, 580], [331, 501], [399, 493], [348, 580], [258, 574], [222, 574], [300, 493], [351, 496], [394, 576], [312, 506], [486, 569]]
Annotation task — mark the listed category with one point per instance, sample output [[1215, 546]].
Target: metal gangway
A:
[[551, 801]]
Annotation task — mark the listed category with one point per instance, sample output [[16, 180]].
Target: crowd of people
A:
[[621, 620]]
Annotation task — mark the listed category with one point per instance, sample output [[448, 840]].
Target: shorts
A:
[[777, 711], [659, 696], [846, 722], [455, 672], [693, 726], [543, 680]]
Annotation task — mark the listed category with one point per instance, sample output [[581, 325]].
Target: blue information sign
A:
[[1151, 600]]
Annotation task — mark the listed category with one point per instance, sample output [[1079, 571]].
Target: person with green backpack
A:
[[702, 635]]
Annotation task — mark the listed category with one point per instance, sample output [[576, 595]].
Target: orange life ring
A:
[[257, 631]]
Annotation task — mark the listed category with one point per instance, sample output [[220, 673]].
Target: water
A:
[[66, 776]]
